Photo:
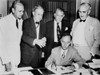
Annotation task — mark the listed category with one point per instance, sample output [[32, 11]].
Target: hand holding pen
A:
[[54, 66]]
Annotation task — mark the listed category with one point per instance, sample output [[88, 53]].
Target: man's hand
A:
[[54, 66], [76, 66], [40, 42], [8, 67], [44, 41]]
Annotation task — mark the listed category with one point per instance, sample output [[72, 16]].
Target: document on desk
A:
[[25, 68], [21, 71], [60, 70], [94, 65], [25, 73]]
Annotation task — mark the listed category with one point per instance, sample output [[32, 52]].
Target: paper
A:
[[94, 65], [17, 70], [25, 73], [25, 68], [60, 70], [6, 73], [96, 61]]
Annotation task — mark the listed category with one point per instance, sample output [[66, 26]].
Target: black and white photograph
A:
[[49, 37]]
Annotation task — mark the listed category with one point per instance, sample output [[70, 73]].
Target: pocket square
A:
[[66, 28]]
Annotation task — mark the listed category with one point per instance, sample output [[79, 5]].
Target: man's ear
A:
[[89, 10], [54, 14], [63, 15], [13, 10], [33, 13]]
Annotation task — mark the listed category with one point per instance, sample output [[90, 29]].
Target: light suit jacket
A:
[[92, 33], [71, 55], [10, 40]]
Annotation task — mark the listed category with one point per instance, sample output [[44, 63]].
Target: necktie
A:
[[58, 32], [82, 20], [63, 54], [17, 23], [37, 22]]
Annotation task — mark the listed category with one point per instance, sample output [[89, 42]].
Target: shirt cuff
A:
[[34, 42]]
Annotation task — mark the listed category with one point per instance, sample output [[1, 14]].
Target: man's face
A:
[[84, 12], [18, 11], [65, 42], [59, 15], [38, 14]]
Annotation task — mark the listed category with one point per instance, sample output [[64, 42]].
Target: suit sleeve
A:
[[50, 60], [96, 33], [28, 36], [78, 59]]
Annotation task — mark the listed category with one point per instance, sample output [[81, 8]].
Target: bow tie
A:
[[82, 20], [37, 22]]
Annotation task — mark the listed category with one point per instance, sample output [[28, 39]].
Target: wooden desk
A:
[[42, 71]]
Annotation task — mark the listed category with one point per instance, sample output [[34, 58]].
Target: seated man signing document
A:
[[65, 54]]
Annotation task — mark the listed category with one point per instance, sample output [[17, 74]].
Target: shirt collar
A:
[[64, 51], [57, 22]]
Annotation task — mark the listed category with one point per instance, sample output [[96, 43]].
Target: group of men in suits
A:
[[38, 36], [85, 39], [52, 33]]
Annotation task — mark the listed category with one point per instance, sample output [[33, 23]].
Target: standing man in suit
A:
[[86, 33], [65, 54], [33, 39], [54, 30], [10, 35]]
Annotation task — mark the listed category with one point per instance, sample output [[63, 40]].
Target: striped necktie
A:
[[58, 32]]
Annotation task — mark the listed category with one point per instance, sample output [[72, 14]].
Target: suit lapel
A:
[[52, 28], [59, 59], [87, 26], [87, 31], [33, 26], [67, 58], [62, 27], [41, 29], [74, 26]]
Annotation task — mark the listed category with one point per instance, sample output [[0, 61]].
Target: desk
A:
[[42, 71]]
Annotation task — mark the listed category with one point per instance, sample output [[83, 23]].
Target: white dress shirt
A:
[[37, 30], [78, 35]]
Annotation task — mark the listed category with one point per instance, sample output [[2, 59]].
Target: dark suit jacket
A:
[[50, 35], [28, 51], [71, 55]]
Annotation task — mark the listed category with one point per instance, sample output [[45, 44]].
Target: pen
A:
[[40, 71]]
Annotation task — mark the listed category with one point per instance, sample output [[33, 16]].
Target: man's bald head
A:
[[17, 9], [84, 10], [86, 5]]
